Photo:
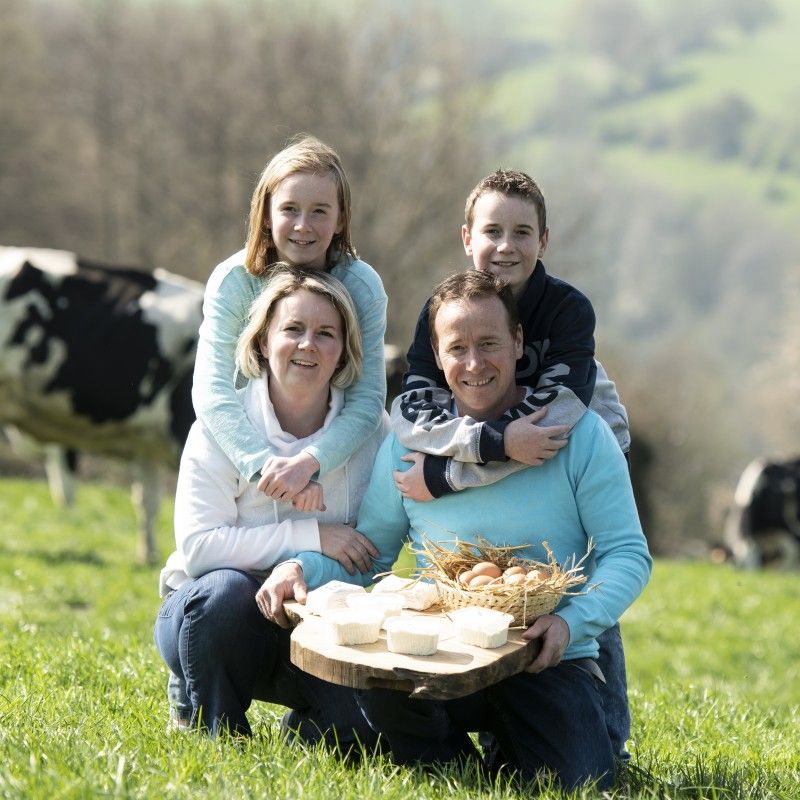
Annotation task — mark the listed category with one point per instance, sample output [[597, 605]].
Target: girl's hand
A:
[[283, 478], [349, 547], [310, 499], [411, 483]]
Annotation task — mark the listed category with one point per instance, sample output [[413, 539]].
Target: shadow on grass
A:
[[56, 557]]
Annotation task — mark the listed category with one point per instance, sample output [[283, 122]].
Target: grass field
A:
[[714, 663]]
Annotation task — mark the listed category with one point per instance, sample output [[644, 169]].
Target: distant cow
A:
[[99, 359], [763, 526]]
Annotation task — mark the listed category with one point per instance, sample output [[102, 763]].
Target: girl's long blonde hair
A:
[[303, 154], [284, 281]]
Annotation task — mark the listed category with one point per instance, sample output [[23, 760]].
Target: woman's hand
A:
[[411, 482], [283, 478], [349, 547], [284, 583], [554, 633], [310, 499]]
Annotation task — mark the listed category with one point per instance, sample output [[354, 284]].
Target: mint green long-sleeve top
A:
[[229, 294]]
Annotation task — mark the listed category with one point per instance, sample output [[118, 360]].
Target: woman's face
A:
[[304, 343], [303, 218]]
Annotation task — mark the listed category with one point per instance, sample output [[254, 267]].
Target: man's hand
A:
[[554, 633], [285, 583], [283, 478], [411, 483], [349, 547], [310, 499], [531, 444]]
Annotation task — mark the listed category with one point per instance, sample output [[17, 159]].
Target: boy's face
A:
[[505, 238]]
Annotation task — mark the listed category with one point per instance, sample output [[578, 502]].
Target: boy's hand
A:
[[554, 633], [532, 444], [285, 583], [349, 547], [411, 483], [310, 499], [282, 478]]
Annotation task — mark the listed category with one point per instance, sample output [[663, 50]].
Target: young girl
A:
[[299, 214]]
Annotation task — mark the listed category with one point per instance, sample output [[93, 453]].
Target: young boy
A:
[[505, 233]]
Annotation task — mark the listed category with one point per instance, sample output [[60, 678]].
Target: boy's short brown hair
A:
[[511, 183]]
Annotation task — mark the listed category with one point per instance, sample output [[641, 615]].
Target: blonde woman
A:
[[302, 349]]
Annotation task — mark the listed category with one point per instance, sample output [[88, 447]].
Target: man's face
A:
[[478, 355], [505, 239]]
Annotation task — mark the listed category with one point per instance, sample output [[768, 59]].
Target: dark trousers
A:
[[614, 692], [217, 643], [552, 721]]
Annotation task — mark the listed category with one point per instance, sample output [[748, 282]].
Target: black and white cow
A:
[[763, 526], [99, 359]]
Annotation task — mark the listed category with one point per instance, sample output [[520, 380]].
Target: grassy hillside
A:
[[564, 89], [714, 680]]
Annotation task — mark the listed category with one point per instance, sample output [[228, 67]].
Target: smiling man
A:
[[505, 233], [550, 716]]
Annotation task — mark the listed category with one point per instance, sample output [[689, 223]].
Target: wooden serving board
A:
[[455, 670]]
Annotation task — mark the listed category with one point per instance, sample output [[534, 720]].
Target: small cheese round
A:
[[487, 568]]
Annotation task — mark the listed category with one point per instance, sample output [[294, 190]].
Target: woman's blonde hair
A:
[[285, 280], [303, 154]]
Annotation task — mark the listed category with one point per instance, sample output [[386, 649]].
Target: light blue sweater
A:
[[583, 492], [230, 292]]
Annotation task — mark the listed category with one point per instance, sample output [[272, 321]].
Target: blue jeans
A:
[[551, 721], [614, 693], [224, 654]]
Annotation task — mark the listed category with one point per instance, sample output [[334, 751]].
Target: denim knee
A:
[[222, 607], [553, 720]]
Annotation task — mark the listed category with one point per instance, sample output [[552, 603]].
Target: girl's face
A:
[[303, 343], [304, 217]]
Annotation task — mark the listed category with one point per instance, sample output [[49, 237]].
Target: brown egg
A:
[[480, 580], [515, 579], [465, 577], [537, 575], [514, 571], [487, 568]]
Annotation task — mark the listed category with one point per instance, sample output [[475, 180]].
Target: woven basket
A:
[[525, 605]]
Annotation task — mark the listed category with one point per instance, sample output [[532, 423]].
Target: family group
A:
[[293, 475]]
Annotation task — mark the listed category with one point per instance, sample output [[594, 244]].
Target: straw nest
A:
[[525, 601]]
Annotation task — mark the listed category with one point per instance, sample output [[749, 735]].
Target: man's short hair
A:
[[472, 285], [511, 183]]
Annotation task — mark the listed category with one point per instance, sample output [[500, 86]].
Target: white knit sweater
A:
[[221, 520]]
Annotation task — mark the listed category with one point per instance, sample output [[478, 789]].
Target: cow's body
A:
[[98, 359], [763, 526]]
